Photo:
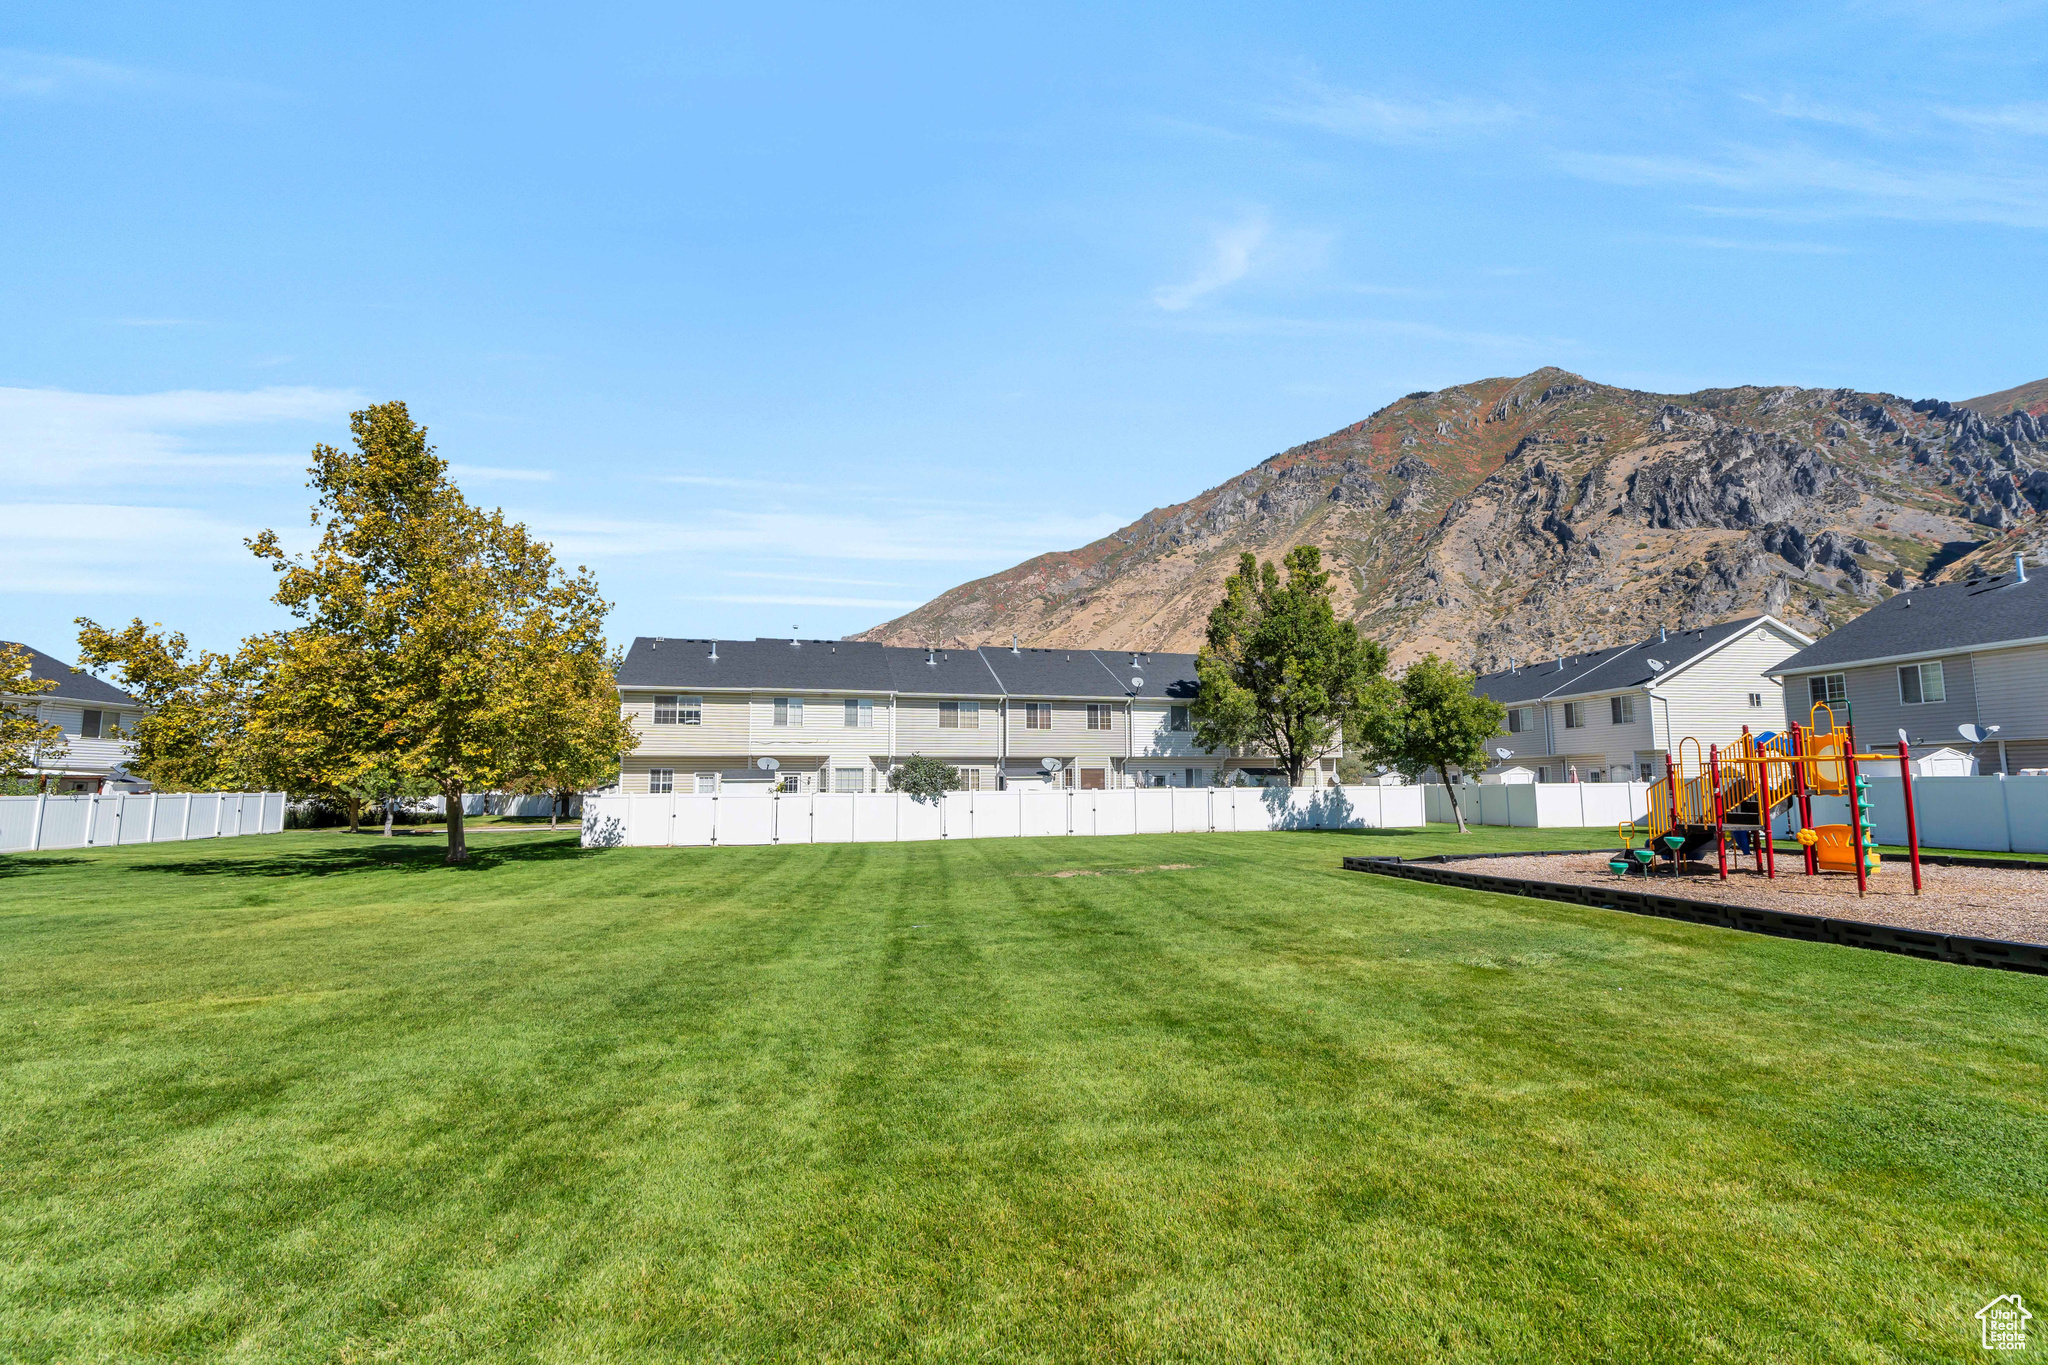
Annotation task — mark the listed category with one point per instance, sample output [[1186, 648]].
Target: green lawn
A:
[[308, 1097]]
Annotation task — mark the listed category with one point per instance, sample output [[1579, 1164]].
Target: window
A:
[[1621, 710], [678, 710], [1177, 719], [789, 713], [1038, 715], [1159, 779], [1828, 687], [959, 715], [707, 784], [661, 781], [89, 726], [1921, 683], [1098, 715], [860, 713], [1643, 773], [1543, 774], [1194, 777], [970, 779], [1756, 699], [849, 779], [1575, 715], [1521, 720]]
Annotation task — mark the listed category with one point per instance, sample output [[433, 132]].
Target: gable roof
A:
[[71, 686], [1919, 622], [1619, 668], [859, 666]]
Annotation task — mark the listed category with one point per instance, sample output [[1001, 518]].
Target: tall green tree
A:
[[454, 617], [1279, 672], [924, 778], [24, 740], [1431, 718]]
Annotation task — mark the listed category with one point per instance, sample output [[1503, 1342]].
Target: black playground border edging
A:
[[1932, 947]]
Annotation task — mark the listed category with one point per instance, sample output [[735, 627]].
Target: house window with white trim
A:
[[860, 713], [89, 725], [1575, 715], [1038, 715], [1177, 719], [706, 784], [1756, 699], [1621, 710], [1828, 687], [661, 781], [1521, 720], [789, 713], [1098, 715], [1920, 683], [959, 715], [849, 779], [678, 710]]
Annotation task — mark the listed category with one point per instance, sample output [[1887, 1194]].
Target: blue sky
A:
[[796, 316]]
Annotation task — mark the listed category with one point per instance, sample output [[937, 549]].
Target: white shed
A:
[[1508, 777]]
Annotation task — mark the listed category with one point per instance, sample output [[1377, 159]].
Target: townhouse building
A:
[[1932, 661], [92, 714], [1613, 714], [839, 715]]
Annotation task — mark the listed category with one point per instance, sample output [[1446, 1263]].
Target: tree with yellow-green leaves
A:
[[193, 729], [24, 740], [577, 731], [455, 627]]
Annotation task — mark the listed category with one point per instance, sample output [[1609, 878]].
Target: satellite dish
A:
[[1497, 753], [767, 765], [1136, 682], [1379, 767], [1051, 765], [1977, 734], [1656, 665]]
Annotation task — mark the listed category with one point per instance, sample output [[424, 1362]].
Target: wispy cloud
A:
[[97, 547], [485, 473], [51, 437], [815, 578], [1834, 187], [879, 604], [1805, 110], [46, 75], [902, 535], [1229, 260], [1379, 118], [1744, 244], [2031, 120]]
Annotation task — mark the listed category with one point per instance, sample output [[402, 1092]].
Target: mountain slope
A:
[[1516, 518], [2031, 397]]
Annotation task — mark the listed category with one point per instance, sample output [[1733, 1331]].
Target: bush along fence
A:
[[1471, 874], [28, 823], [690, 820]]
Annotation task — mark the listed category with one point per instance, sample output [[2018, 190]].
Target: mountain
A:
[[2031, 397], [1521, 518]]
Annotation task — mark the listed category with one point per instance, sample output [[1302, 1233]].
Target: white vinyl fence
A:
[[1995, 814], [1541, 805], [834, 818], [37, 822]]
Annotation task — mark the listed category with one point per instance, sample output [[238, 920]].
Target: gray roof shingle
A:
[[1952, 618], [1614, 669], [71, 686]]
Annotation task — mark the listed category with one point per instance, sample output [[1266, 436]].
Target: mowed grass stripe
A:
[[313, 1097]]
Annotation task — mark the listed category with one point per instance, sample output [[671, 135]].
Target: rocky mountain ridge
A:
[[1520, 517]]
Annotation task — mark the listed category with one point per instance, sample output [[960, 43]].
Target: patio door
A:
[[1093, 779]]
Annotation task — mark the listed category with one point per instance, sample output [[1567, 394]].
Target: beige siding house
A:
[[838, 715], [1935, 663], [1612, 715]]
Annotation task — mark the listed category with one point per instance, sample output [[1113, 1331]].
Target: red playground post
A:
[[1720, 810], [1912, 825]]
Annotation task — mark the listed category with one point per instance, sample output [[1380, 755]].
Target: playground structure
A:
[[1738, 791]]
